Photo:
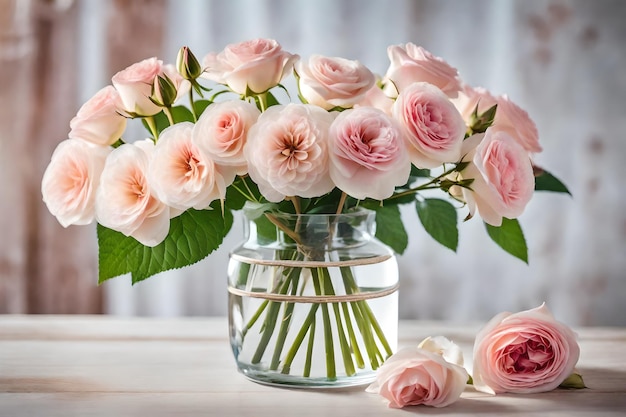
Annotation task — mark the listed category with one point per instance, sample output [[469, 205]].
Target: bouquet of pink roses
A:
[[353, 139]]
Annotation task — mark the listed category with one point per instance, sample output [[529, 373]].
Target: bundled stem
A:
[[343, 323]]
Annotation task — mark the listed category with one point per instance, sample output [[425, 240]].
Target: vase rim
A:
[[354, 212]]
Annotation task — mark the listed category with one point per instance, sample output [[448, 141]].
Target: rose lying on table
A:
[[525, 352]]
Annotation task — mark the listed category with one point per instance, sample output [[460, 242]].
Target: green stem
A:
[[256, 316], [366, 321], [249, 195], [309, 351], [193, 109], [343, 342], [294, 276], [168, 113], [366, 333], [309, 323], [358, 357], [152, 126], [430, 185], [262, 99], [342, 201], [269, 324], [377, 329], [331, 372]]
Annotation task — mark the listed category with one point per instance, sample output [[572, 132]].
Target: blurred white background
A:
[[561, 60]]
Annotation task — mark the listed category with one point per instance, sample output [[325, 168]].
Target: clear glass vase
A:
[[312, 300]]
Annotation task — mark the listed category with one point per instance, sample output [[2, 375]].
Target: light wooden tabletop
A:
[[108, 366]]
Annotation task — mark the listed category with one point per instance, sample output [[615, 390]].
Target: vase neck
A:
[[318, 232]]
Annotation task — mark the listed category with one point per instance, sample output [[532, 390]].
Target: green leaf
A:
[[241, 191], [574, 381], [271, 100], [390, 229], [544, 181], [193, 235], [509, 236], [181, 114], [439, 218], [200, 106], [160, 120], [419, 172]]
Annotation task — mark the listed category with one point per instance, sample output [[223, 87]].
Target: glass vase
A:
[[312, 299]]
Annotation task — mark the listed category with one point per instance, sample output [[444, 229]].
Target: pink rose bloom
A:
[[222, 131], [98, 121], [433, 128], [415, 376], [509, 116], [367, 154], [333, 82], [254, 65], [411, 63], [470, 97], [134, 85], [70, 181], [524, 353], [181, 174], [513, 119], [375, 97], [440, 345], [503, 177], [287, 152], [125, 201]]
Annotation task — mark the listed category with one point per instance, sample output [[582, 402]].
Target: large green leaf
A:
[[439, 218], [509, 236], [545, 181], [193, 235], [390, 229]]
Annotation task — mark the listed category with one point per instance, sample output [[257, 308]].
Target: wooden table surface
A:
[[108, 366]]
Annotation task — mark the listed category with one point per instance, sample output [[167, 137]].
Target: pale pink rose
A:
[[98, 121], [333, 82], [134, 85], [509, 116], [513, 119], [470, 97], [222, 132], [287, 152], [376, 98], [182, 85], [503, 177], [415, 376], [125, 200], [443, 346], [70, 181], [411, 63], [181, 174], [433, 128], [367, 154], [525, 352], [255, 65]]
